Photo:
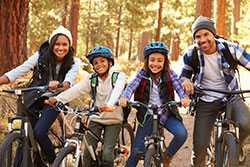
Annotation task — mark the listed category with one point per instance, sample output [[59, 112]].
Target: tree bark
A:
[[141, 43], [203, 7], [175, 46], [130, 43], [13, 33], [158, 32], [236, 16], [65, 13], [220, 17], [74, 18]]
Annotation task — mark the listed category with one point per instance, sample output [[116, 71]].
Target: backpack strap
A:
[[229, 58], [93, 85], [114, 78]]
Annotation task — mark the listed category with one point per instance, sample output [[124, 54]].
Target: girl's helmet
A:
[[100, 51], [155, 47]]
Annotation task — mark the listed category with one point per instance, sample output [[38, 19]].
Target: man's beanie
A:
[[61, 30], [203, 23]]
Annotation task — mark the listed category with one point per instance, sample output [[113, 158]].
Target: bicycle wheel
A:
[[150, 157], [12, 151], [66, 158], [123, 147], [230, 152]]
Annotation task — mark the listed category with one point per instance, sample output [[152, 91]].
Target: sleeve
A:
[[133, 84], [187, 70], [240, 54], [23, 68], [79, 89], [117, 90], [177, 84], [72, 73]]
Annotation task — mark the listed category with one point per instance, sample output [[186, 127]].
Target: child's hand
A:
[[188, 86], [106, 108], [51, 101], [123, 101], [185, 101], [53, 85]]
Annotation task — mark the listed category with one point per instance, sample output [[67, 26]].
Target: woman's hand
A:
[[53, 85], [188, 86], [51, 101], [185, 101], [123, 101]]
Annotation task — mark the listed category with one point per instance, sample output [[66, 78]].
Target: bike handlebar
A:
[[199, 89]]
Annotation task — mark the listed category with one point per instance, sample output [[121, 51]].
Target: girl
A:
[[52, 64], [105, 96], [155, 84]]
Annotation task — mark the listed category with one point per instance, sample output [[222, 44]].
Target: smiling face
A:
[[101, 65], [156, 63], [61, 47], [205, 40]]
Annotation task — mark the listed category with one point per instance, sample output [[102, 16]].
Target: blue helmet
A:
[[155, 47], [100, 51]]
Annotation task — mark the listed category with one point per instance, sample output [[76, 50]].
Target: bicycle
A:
[[155, 145], [72, 153], [224, 146], [19, 143]]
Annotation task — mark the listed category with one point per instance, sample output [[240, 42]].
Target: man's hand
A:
[[188, 86], [123, 101]]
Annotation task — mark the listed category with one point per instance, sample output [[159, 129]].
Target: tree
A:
[[74, 18], [236, 16], [203, 7], [118, 31], [158, 31], [65, 13], [220, 16], [13, 33]]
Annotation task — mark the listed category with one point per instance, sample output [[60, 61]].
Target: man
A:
[[211, 68]]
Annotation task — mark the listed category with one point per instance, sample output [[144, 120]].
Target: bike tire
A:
[[150, 160], [66, 152], [12, 143], [230, 152]]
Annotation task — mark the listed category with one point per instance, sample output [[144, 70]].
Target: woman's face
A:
[[61, 47], [101, 65], [156, 62]]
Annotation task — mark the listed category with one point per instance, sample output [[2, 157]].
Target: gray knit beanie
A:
[[203, 23]]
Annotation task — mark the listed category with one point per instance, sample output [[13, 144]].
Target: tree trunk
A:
[[65, 13], [203, 7], [236, 15], [130, 43], [118, 32], [220, 17], [158, 32], [74, 18], [88, 27], [175, 46], [141, 43], [13, 33]]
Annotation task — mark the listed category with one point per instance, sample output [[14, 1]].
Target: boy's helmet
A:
[[155, 47], [100, 51]]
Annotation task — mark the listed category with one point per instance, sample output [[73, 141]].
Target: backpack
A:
[[94, 84]]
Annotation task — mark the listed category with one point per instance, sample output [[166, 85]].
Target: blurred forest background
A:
[[123, 25]]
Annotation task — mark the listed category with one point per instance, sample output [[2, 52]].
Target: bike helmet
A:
[[100, 51], [155, 47]]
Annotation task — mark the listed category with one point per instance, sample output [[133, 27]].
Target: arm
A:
[[24, 68], [133, 84], [117, 90], [83, 87]]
